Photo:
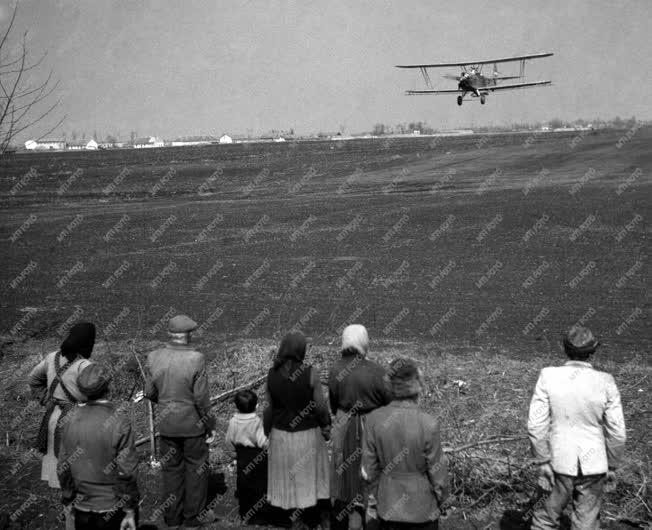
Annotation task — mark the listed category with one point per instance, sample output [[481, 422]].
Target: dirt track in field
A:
[[501, 239]]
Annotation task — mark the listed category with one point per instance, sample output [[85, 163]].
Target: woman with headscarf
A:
[[54, 383], [356, 386], [299, 425]]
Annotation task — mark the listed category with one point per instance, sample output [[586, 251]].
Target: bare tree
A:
[[24, 102]]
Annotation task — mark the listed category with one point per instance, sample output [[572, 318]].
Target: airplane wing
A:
[[483, 89], [473, 63], [425, 92], [515, 86]]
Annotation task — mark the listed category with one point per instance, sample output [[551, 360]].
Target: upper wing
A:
[[514, 86], [471, 63]]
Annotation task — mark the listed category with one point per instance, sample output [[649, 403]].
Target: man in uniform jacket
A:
[[176, 380], [98, 463], [402, 456], [577, 432]]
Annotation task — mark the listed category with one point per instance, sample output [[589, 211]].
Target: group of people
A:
[[365, 456]]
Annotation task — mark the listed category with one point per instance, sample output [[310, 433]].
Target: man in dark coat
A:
[[177, 381], [402, 457], [98, 463]]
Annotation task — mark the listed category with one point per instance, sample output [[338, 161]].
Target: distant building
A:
[[148, 141], [279, 139], [91, 145], [226, 139], [193, 140], [110, 144], [46, 144]]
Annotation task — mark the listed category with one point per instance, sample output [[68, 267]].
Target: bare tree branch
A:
[[22, 100]]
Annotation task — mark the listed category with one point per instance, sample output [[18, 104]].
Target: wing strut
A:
[[522, 69], [426, 77]]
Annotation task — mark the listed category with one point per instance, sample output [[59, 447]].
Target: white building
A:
[[148, 141], [36, 145], [193, 140], [226, 139], [91, 145]]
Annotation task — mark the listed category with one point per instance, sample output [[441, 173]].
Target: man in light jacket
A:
[[402, 456], [577, 433]]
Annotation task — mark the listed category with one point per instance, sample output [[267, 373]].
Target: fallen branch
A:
[[483, 442], [219, 398], [247, 386]]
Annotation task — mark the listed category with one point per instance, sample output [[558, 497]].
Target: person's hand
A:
[[212, 437], [326, 433], [128, 521], [546, 477], [612, 481]]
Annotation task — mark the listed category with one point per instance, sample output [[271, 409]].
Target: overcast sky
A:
[[209, 67]]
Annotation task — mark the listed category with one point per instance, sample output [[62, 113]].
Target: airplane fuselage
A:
[[474, 83]]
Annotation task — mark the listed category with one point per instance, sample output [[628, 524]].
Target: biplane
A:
[[473, 82]]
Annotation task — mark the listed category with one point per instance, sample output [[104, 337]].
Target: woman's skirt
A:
[[49, 464], [346, 482], [297, 468]]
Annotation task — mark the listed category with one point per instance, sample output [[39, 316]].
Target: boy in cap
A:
[[577, 432], [402, 456], [177, 381], [98, 464]]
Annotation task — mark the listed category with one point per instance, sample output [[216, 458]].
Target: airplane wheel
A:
[[459, 100], [482, 99]]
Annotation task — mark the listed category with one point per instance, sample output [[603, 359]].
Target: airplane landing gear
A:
[[482, 99], [459, 100]]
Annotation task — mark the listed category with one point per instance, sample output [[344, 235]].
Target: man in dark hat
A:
[[98, 464], [402, 456], [577, 433], [177, 381]]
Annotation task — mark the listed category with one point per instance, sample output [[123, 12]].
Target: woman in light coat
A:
[[54, 382]]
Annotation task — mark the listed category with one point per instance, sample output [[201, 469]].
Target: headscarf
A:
[[355, 337], [80, 341], [291, 352]]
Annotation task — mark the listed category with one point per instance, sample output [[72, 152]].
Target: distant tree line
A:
[[380, 129]]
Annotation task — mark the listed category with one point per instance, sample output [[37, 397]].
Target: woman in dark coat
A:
[[356, 386], [299, 425]]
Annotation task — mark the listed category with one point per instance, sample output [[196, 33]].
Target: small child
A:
[[246, 441]]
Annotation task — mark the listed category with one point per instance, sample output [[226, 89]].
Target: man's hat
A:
[[181, 324], [93, 381], [580, 340]]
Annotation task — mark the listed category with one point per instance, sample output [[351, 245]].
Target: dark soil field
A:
[[504, 239], [471, 254]]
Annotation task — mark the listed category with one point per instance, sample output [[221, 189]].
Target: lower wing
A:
[[480, 89], [426, 92], [515, 86]]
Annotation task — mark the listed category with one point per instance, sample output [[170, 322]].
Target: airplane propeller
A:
[[452, 77]]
